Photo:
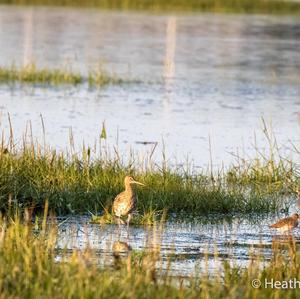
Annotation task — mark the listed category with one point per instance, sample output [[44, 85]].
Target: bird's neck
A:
[[129, 189]]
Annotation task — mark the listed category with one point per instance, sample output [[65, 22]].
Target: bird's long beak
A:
[[138, 183]]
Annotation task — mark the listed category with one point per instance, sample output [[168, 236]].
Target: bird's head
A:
[[295, 216], [130, 180]]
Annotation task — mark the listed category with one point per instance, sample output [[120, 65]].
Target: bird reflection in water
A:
[[121, 254]]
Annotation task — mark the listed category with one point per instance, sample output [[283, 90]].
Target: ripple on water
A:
[[215, 88], [190, 245]]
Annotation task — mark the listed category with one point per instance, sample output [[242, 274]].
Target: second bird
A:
[[125, 202], [286, 224]]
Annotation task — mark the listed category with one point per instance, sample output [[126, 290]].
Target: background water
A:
[[192, 245], [203, 76]]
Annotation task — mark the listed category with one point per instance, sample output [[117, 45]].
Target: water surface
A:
[[204, 77], [192, 245]]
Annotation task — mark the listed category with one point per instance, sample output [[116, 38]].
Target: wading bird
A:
[[125, 202], [286, 224]]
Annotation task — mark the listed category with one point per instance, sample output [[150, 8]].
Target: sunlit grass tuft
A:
[[148, 218], [220, 6], [105, 218], [31, 74]]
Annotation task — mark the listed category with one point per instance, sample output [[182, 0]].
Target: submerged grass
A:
[[31, 74], [30, 269], [238, 6], [148, 218], [88, 181]]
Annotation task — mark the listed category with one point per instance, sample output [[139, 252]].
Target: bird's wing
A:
[[118, 199], [122, 205], [282, 222]]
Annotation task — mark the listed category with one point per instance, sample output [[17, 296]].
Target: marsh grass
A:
[[88, 180], [30, 269], [221, 6], [106, 218], [147, 218], [32, 74]]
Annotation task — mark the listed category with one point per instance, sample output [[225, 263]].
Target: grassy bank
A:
[[31, 74], [88, 181], [237, 6], [29, 269]]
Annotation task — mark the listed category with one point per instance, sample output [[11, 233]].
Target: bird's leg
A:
[[119, 226], [128, 219], [119, 221]]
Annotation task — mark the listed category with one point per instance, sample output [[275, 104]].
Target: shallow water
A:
[[203, 77], [191, 245]]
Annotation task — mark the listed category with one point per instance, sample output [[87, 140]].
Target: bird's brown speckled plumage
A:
[[125, 202], [286, 224]]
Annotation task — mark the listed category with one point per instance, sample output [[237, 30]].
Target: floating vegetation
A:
[[238, 6], [106, 218], [148, 218], [31, 74]]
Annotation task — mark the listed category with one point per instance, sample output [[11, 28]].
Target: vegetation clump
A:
[[86, 181], [219, 6], [31, 74], [148, 218]]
